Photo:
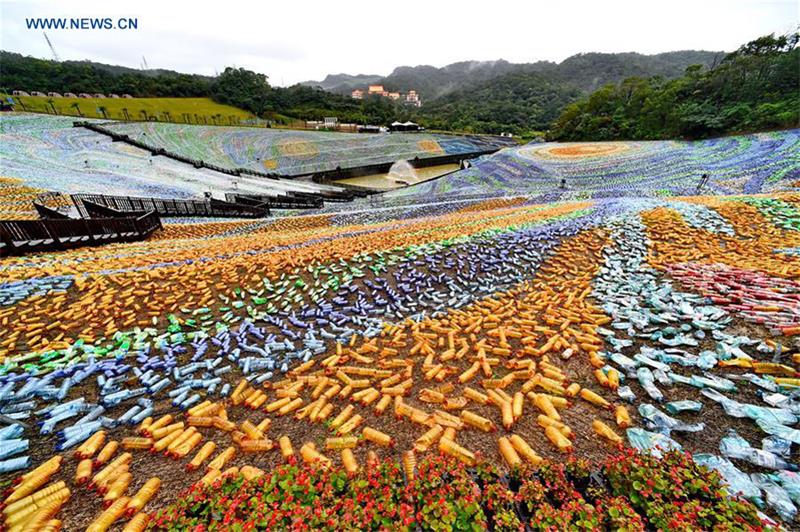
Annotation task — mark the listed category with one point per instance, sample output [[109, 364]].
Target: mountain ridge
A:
[[433, 82]]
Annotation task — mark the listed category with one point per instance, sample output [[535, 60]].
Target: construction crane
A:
[[52, 48]]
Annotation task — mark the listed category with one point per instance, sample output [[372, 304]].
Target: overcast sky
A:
[[296, 40]]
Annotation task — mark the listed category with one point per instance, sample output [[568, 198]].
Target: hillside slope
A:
[[199, 110]]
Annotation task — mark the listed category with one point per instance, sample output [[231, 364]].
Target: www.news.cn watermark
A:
[[84, 23]]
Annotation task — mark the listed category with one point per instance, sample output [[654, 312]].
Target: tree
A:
[[83, 76], [242, 88]]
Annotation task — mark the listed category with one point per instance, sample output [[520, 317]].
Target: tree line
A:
[[239, 87], [18, 72], [751, 89], [251, 91]]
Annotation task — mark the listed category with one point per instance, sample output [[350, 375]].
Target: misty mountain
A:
[[343, 83], [529, 97], [516, 102], [591, 71], [432, 82], [586, 72]]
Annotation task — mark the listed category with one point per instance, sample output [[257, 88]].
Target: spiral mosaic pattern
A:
[[433, 322], [740, 164], [297, 152]]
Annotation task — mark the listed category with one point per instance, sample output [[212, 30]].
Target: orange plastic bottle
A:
[[376, 436], [202, 455], [429, 438], [137, 443], [83, 472], [341, 442], [450, 447], [32, 480], [525, 450], [349, 461], [606, 432], [409, 464], [117, 488], [138, 523], [479, 422], [310, 455], [106, 519], [286, 446], [222, 458], [508, 452], [589, 395], [257, 446], [622, 418], [559, 440], [143, 496]]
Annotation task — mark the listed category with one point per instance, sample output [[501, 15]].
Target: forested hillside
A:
[[587, 96], [343, 83], [19, 72], [756, 87], [586, 71], [519, 102]]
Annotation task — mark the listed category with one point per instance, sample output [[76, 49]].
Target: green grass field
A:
[[181, 110]]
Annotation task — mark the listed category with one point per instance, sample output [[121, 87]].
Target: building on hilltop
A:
[[412, 98], [409, 98]]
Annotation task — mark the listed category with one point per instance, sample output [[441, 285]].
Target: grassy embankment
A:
[[181, 110]]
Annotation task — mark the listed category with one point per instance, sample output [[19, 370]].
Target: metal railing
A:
[[277, 202], [18, 237], [170, 207]]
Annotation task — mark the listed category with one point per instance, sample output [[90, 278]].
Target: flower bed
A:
[[627, 492]]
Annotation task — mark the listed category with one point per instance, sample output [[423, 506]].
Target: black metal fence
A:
[[48, 213], [18, 237], [170, 207], [279, 202]]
